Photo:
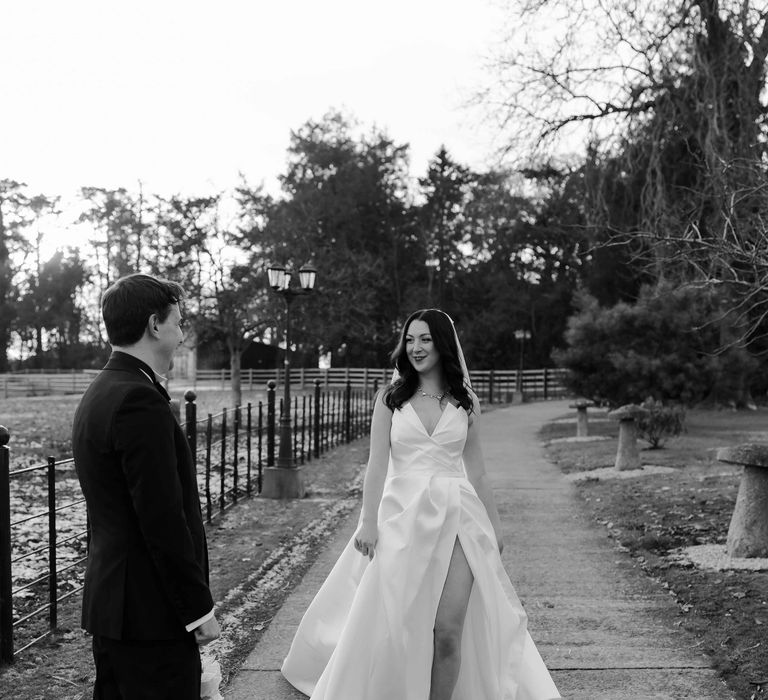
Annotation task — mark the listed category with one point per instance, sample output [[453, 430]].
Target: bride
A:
[[427, 612]]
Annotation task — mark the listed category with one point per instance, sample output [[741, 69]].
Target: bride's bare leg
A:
[[449, 624]]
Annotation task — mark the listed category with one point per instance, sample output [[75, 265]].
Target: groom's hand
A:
[[208, 631]]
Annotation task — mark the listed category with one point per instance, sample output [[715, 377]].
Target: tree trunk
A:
[[731, 386], [38, 346], [6, 312], [235, 355], [63, 353]]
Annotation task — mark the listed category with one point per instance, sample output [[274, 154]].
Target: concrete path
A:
[[604, 629]]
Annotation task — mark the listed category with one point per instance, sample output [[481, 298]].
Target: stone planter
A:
[[582, 422], [627, 454], [748, 531]]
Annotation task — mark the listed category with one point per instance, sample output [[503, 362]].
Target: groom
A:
[[146, 599]]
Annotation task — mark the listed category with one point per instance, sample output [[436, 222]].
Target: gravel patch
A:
[[613, 473], [583, 438], [591, 419], [715, 558]]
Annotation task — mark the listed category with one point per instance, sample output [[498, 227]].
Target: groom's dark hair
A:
[[128, 303], [444, 338]]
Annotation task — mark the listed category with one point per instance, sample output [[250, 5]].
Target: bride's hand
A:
[[365, 539]]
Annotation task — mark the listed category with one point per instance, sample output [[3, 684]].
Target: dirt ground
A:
[[653, 516], [258, 550]]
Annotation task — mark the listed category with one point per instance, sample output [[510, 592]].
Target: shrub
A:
[[664, 345], [661, 422]]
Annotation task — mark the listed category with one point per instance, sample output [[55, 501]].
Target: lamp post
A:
[[284, 480], [522, 336], [432, 265]]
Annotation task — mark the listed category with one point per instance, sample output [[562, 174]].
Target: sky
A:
[[185, 95]]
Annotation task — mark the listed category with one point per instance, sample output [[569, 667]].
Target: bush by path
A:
[[653, 515]]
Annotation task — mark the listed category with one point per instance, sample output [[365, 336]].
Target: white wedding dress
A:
[[367, 635]]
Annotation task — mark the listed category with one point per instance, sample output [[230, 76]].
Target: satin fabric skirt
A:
[[368, 633]]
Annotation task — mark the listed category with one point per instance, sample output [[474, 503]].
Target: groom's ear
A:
[[153, 323]]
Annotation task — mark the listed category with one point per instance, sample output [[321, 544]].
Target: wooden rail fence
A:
[[490, 385]]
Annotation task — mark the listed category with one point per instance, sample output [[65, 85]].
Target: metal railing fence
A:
[[43, 519], [232, 447], [44, 563]]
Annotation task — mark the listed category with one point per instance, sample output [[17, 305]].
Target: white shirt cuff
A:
[[194, 625]]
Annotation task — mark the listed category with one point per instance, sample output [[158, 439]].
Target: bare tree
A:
[[569, 71], [671, 98], [40, 206], [226, 297], [15, 217], [116, 217]]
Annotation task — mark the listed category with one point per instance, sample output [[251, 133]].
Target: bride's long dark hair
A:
[[444, 339]]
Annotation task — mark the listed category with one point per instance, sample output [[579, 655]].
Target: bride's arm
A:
[[375, 475], [474, 463]]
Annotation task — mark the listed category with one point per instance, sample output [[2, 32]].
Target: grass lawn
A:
[[42, 425], [655, 514]]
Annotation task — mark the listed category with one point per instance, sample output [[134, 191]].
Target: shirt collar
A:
[[124, 361]]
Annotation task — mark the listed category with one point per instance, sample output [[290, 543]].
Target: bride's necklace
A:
[[438, 397]]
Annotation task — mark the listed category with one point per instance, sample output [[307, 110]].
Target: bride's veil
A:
[[460, 352]]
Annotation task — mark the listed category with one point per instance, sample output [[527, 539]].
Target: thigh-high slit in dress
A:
[[368, 633]]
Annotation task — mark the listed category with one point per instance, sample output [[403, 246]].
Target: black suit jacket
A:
[[147, 571]]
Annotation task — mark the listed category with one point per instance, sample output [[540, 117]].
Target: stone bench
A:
[[582, 423], [748, 530], [627, 454]]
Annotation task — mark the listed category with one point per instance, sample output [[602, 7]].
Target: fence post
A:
[[208, 441], [235, 439], [248, 450], [271, 422], [52, 571], [190, 423], [546, 382], [490, 387], [348, 412], [6, 599], [303, 428], [317, 418], [223, 463], [260, 438]]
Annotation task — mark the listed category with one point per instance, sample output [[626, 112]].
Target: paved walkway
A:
[[604, 628]]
